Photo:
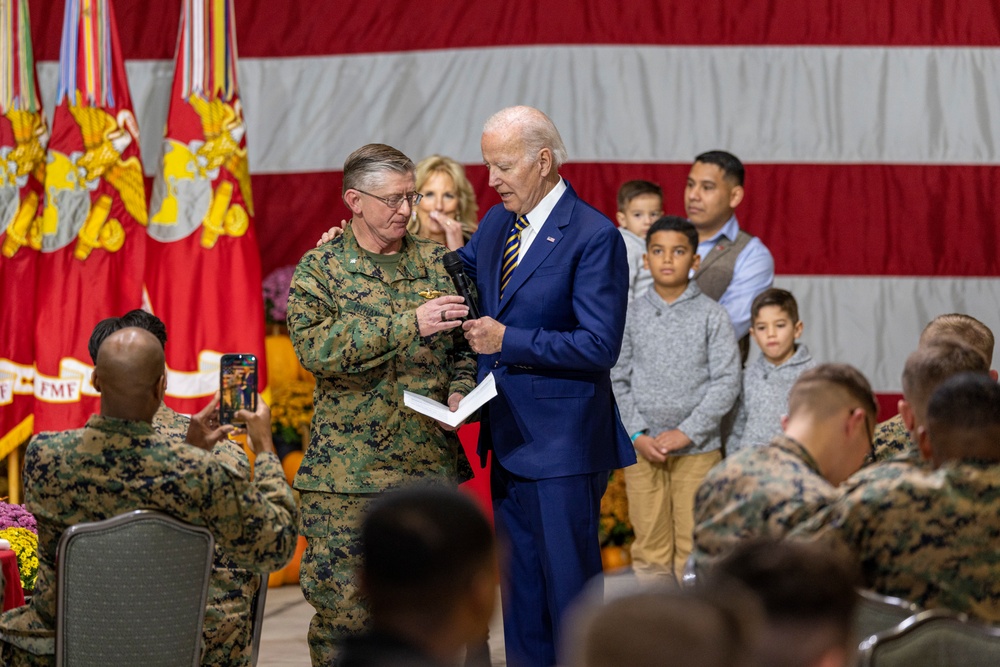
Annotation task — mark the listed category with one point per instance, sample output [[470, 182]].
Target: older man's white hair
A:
[[537, 131]]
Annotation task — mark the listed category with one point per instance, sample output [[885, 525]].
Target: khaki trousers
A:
[[661, 509]]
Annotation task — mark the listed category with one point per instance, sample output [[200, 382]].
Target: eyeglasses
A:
[[395, 201]]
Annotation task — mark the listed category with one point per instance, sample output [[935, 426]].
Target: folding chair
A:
[[933, 638], [132, 591], [878, 612], [257, 613]]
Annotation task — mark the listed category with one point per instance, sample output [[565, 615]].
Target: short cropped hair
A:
[[363, 167], [775, 296], [134, 318], [673, 223], [967, 401], [101, 331], [808, 594], [811, 389], [691, 627], [963, 326], [632, 189], [151, 323], [537, 131], [936, 361], [468, 208], [730, 165], [422, 548]]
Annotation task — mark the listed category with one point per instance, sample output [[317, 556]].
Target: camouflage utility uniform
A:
[[928, 536], [355, 328], [113, 466], [893, 441], [228, 623], [756, 493]]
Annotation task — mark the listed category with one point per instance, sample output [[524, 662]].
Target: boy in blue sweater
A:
[[677, 376]]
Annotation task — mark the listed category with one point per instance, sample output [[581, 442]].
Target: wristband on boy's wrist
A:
[[637, 434]]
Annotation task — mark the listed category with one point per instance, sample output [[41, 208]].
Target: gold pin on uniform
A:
[[430, 293]]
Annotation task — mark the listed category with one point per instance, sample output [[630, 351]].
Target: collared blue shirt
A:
[[753, 273]]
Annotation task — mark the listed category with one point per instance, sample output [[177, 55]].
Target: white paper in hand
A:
[[486, 390]]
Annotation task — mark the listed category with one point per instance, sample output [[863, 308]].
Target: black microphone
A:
[[453, 265]]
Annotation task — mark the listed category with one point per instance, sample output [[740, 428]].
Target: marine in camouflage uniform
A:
[[228, 621], [893, 441], [112, 466], [355, 328], [760, 492], [928, 536]]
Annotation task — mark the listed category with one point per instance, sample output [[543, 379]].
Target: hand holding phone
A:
[[237, 386]]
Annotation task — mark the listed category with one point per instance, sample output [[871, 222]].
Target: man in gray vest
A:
[[735, 266]]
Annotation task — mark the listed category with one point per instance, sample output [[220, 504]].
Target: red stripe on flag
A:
[[887, 405], [816, 219], [267, 28]]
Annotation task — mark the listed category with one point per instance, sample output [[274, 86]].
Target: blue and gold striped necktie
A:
[[510, 252]]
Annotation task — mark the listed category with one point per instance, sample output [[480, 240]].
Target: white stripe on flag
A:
[[613, 104], [873, 323]]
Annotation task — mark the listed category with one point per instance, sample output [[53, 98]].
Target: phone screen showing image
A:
[[238, 386]]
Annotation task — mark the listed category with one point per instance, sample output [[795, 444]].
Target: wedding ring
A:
[[443, 318]]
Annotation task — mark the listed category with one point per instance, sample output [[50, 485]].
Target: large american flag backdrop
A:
[[870, 130]]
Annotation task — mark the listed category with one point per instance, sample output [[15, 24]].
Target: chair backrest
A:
[[878, 612], [933, 638], [257, 613], [132, 591]]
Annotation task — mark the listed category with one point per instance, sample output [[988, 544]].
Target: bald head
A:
[[130, 374]]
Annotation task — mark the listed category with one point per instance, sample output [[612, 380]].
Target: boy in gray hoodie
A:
[[775, 325], [677, 375]]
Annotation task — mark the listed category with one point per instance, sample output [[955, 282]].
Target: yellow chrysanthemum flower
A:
[[24, 543]]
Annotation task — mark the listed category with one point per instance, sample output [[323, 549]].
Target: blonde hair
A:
[[468, 208], [966, 327]]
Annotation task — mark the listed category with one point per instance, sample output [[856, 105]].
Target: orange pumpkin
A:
[[290, 573], [282, 364], [615, 558]]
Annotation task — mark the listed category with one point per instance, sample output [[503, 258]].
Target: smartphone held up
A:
[[237, 386]]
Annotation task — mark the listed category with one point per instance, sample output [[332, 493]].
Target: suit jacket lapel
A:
[[545, 241]]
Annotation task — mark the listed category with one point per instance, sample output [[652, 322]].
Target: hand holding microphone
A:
[[463, 286]]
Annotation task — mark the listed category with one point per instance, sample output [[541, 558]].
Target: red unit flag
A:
[[203, 264], [93, 240], [23, 138]]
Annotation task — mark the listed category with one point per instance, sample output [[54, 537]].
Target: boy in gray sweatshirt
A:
[[677, 375], [775, 325]]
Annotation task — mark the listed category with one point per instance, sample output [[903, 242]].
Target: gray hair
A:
[[537, 131], [364, 166]]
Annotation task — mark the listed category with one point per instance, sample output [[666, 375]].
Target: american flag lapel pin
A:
[[550, 239]]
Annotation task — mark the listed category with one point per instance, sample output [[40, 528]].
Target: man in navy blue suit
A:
[[552, 277]]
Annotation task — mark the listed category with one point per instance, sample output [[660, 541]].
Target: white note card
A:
[[486, 390]]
